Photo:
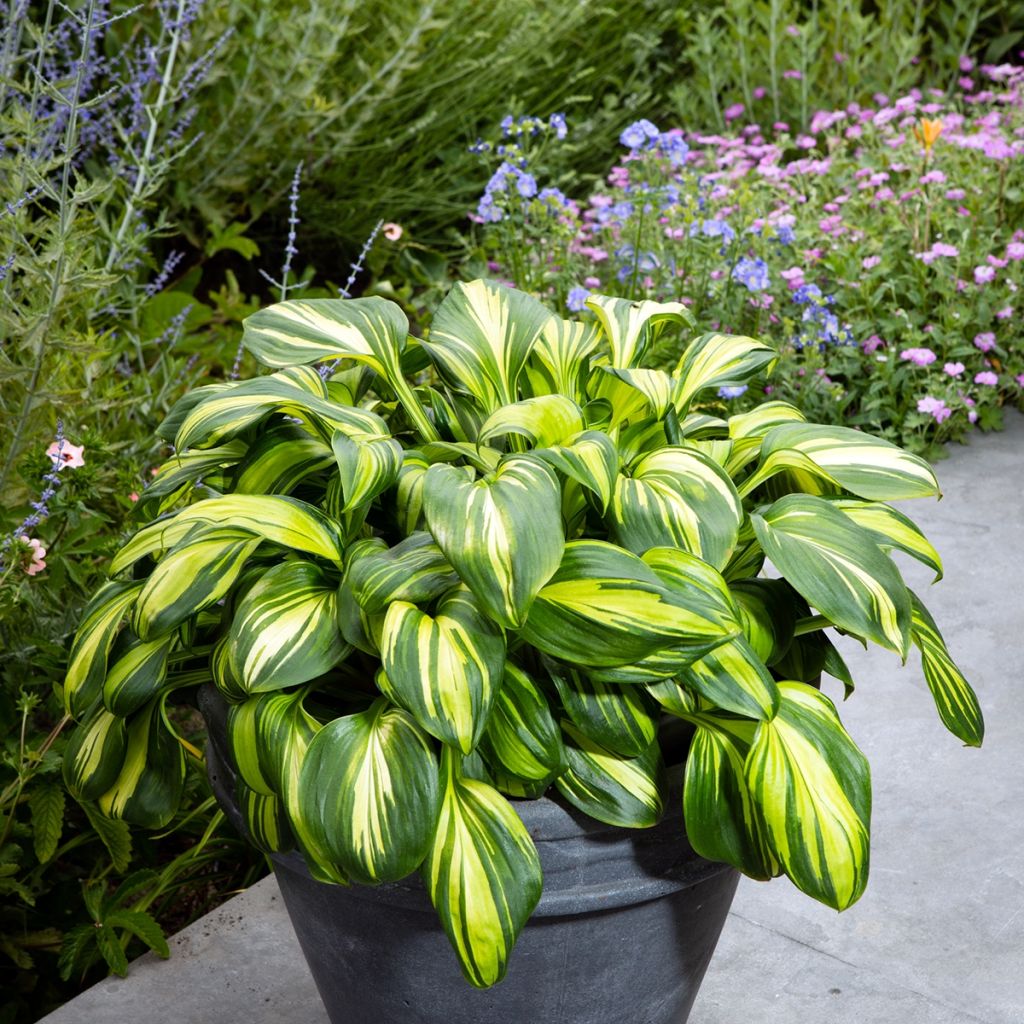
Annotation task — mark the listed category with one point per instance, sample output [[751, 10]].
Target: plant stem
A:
[[811, 625]]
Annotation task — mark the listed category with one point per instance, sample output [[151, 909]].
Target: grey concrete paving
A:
[[939, 936]]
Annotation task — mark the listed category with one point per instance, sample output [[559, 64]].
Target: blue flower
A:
[[507, 123], [807, 293], [712, 228], [639, 135], [752, 273], [526, 184], [731, 391], [785, 234], [577, 299], [558, 123], [673, 147], [554, 198]]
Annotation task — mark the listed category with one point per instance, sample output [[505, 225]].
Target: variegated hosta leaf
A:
[[522, 735], [619, 718], [481, 336], [223, 673], [138, 672], [700, 585], [148, 787], [721, 820], [626, 791], [590, 458], [502, 533], [359, 628], [186, 467], [605, 607], [678, 497], [414, 570], [285, 631], [544, 421], [409, 492], [251, 760], [837, 567], [482, 873], [193, 575], [372, 331], [859, 462], [624, 402], [812, 794], [955, 700], [655, 385], [560, 355], [892, 529], [291, 523], [734, 678], [673, 697], [446, 668], [280, 459], [630, 326], [369, 793], [758, 421], [769, 609], [265, 819], [87, 664], [719, 360], [94, 754], [366, 467]]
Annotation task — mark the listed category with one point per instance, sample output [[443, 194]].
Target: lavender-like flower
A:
[[293, 223], [356, 268], [5, 267], [161, 279]]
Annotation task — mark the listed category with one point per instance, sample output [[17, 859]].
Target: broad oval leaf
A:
[[193, 575], [522, 734], [719, 360], [444, 669], [812, 793], [631, 326], [87, 664], [892, 529], [481, 335], [148, 787], [265, 819], [280, 459], [409, 492], [732, 677], [371, 330], [721, 819], [369, 793], [561, 356], [414, 570], [286, 521], [366, 466], [626, 791], [544, 421], [605, 607], [678, 497], [285, 630], [655, 385], [590, 458], [138, 672], [482, 873], [837, 567], [955, 700], [619, 718], [502, 534], [859, 462], [95, 754]]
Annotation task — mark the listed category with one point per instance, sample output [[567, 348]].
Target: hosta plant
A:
[[436, 576]]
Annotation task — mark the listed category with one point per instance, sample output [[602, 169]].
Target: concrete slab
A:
[[939, 936]]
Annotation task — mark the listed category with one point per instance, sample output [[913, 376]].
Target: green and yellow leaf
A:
[[366, 466], [719, 360], [414, 570], [137, 674], [630, 327], [544, 421], [95, 754], [732, 677], [892, 529]]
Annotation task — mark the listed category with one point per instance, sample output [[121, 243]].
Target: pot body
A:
[[623, 933]]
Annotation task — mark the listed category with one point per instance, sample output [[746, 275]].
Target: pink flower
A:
[[918, 356], [986, 377], [794, 277], [760, 92], [71, 455], [1005, 313], [393, 232], [805, 142], [134, 496], [36, 556], [793, 73], [933, 177], [985, 342], [870, 261], [736, 110], [984, 274], [872, 344], [592, 282], [1015, 251], [935, 407], [1020, 379], [955, 193], [954, 369], [966, 63]]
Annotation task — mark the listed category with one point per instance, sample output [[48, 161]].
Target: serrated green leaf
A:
[[143, 927], [46, 803], [115, 835]]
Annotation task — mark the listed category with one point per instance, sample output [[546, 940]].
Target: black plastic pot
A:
[[623, 933]]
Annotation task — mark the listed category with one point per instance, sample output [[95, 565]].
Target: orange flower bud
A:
[[928, 132]]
